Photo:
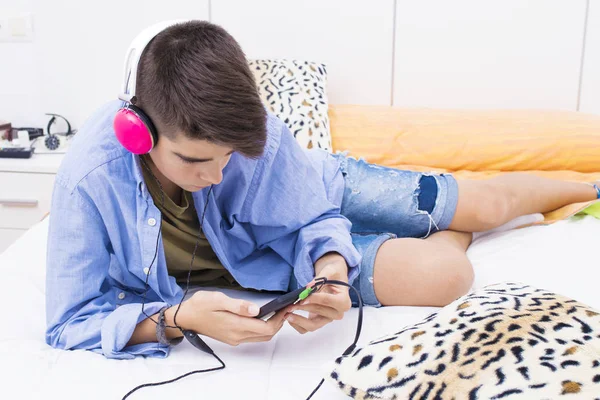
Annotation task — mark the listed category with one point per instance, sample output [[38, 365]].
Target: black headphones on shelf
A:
[[52, 141]]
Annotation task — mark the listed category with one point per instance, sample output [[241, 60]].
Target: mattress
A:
[[563, 257]]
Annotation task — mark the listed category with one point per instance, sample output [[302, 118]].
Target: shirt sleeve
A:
[[291, 213], [81, 307]]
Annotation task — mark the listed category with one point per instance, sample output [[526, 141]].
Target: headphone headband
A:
[[134, 53]]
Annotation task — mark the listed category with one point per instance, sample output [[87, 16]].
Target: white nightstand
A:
[[25, 193]]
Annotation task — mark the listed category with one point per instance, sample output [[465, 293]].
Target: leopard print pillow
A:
[[295, 91], [506, 341]]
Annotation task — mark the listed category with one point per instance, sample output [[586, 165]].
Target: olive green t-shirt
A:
[[180, 230]]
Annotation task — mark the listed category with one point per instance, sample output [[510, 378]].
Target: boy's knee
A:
[[416, 272]]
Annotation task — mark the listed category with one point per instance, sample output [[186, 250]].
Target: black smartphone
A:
[[269, 309]]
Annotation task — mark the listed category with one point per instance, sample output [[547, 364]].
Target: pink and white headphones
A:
[[133, 128]]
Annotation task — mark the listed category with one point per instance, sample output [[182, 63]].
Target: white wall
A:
[[433, 53], [19, 93], [486, 54], [354, 38], [590, 88]]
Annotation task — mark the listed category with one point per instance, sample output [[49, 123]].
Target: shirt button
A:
[[151, 221], [146, 270], [121, 296]]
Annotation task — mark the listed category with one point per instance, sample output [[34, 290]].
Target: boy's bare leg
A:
[[436, 271], [423, 272], [487, 204]]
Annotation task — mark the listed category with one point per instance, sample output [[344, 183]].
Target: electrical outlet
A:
[[16, 28]]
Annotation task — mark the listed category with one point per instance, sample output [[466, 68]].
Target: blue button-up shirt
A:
[[268, 221]]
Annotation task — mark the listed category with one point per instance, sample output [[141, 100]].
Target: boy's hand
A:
[[330, 303], [228, 320]]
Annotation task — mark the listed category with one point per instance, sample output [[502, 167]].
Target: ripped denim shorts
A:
[[384, 203]]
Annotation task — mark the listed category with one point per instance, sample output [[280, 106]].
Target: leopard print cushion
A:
[[295, 91], [506, 341]]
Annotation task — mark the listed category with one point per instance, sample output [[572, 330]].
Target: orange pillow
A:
[[474, 140]]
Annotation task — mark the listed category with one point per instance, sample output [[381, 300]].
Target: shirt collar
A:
[[139, 177]]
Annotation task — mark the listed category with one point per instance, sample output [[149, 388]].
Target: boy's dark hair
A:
[[194, 78]]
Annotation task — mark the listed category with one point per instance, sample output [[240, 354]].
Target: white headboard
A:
[[434, 53]]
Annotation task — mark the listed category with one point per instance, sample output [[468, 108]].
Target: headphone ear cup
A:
[[135, 130], [147, 121]]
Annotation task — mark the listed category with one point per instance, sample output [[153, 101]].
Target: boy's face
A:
[[191, 164]]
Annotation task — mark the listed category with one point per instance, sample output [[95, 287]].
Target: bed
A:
[[563, 257]]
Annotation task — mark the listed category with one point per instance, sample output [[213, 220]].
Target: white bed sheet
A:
[[564, 257]]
